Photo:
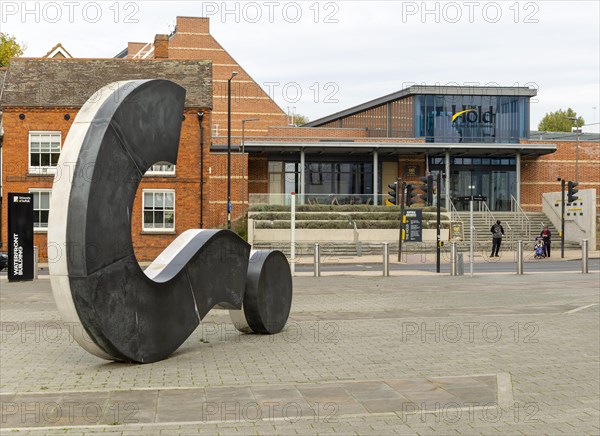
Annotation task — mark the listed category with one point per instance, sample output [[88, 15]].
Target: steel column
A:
[[584, 256], [302, 176], [520, 257], [447, 162], [375, 176], [386, 259]]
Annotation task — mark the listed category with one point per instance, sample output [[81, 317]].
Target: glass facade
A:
[[440, 117], [471, 118], [345, 179], [494, 178]]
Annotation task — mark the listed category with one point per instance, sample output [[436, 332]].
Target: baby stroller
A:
[[538, 248]]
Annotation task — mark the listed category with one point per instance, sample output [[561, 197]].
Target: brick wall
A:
[[539, 175], [418, 161], [15, 177], [318, 134], [258, 174], [15, 156], [216, 195], [193, 40]]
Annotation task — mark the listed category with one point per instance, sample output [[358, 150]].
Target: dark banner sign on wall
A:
[[20, 237]]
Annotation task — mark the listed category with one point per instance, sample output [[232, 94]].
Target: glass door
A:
[[461, 186], [481, 183], [492, 185], [500, 191]]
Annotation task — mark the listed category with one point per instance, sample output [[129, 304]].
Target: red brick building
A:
[[197, 180], [478, 136], [40, 101], [191, 39]]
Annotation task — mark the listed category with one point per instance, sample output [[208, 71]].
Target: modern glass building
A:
[[471, 118], [475, 136]]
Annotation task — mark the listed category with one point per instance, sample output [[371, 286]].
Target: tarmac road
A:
[[426, 263], [537, 266]]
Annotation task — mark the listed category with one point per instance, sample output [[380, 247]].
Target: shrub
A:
[[336, 208], [326, 216], [343, 224]]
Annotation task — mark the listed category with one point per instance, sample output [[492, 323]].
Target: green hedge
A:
[[324, 216], [336, 208], [342, 224]]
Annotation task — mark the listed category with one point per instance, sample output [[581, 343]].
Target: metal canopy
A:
[[399, 148]]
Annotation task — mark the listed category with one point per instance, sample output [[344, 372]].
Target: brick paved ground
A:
[[361, 355]]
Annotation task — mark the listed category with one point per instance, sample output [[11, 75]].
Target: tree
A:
[[300, 119], [559, 121], [9, 48]]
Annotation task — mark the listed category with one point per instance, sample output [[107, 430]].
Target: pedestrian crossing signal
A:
[[427, 189], [411, 195], [572, 190], [393, 193]]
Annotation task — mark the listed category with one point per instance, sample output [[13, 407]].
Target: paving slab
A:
[[360, 355]]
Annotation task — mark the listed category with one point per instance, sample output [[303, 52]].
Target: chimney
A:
[[161, 47]]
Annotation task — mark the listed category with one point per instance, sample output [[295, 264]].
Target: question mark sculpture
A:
[[116, 310]]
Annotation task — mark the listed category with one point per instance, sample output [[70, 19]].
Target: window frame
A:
[[41, 191], [161, 230], [161, 173], [42, 169]]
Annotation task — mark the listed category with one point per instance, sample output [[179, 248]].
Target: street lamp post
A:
[[576, 147], [229, 208], [243, 172]]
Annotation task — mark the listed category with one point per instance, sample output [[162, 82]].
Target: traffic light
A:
[[572, 190], [427, 189], [411, 195], [393, 193]]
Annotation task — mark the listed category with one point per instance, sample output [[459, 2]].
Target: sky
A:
[[319, 57]]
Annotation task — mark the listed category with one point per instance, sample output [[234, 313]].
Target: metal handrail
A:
[[520, 216], [510, 237], [489, 216], [454, 215]]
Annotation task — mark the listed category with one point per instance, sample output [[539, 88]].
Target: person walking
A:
[[497, 233], [546, 235]]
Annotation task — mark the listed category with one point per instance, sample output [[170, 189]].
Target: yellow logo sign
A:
[[458, 114]]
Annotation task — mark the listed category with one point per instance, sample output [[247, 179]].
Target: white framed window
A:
[[44, 151], [161, 169], [41, 209], [158, 210]]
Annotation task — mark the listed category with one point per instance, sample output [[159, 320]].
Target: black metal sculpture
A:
[[126, 313]]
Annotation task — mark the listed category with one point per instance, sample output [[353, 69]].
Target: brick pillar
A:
[[161, 47]]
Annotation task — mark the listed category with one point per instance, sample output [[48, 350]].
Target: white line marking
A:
[[505, 390], [577, 309]]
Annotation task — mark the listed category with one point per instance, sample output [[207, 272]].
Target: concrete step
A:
[[483, 239]]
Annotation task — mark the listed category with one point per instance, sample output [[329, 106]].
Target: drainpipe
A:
[[200, 119]]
